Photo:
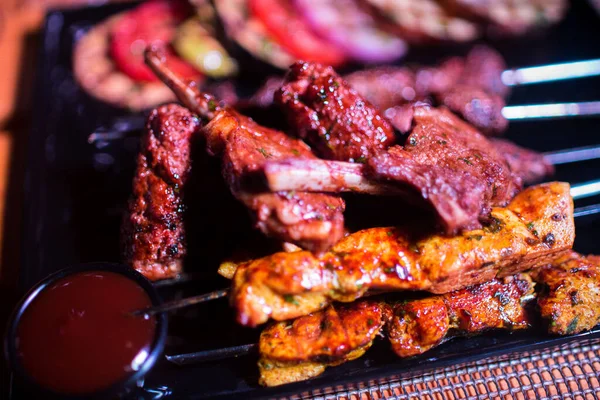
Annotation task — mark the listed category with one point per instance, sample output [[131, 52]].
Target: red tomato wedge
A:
[[152, 23], [293, 33]]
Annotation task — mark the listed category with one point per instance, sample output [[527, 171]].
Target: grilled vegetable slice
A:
[[151, 23], [293, 33], [347, 25]]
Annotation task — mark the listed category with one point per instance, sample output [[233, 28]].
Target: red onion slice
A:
[[345, 24]]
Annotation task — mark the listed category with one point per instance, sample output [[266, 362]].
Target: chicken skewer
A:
[[296, 350], [477, 239], [568, 298], [230, 271], [535, 228]]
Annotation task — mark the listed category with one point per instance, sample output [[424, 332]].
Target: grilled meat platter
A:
[[490, 252], [362, 213]]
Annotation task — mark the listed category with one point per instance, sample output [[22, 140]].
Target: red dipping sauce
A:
[[77, 337]]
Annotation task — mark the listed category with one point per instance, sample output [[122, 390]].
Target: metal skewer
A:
[[556, 110], [551, 72], [572, 155]]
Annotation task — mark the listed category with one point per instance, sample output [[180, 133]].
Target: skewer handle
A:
[[551, 73]]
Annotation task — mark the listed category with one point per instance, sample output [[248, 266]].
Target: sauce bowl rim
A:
[[117, 388]]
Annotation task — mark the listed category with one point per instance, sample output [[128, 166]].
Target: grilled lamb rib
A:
[[454, 167], [447, 161], [327, 113], [313, 221], [339, 176]]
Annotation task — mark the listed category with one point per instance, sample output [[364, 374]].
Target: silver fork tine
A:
[[551, 72]]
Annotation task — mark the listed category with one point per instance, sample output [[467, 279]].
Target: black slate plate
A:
[[75, 194]]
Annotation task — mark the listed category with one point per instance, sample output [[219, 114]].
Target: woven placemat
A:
[[570, 371]]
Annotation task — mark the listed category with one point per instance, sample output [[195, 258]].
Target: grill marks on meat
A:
[[330, 115], [296, 350], [471, 87], [419, 325], [453, 166], [153, 230], [312, 220], [569, 298], [288, 285]]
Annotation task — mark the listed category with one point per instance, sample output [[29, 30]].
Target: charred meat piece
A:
[[313, 221], [288, 285], [331, 116], [482, 68], [511, 16], [387, 86], [476, 106], [569, 298], [451, 165], [419, 325], [153, 231], [529, 165], [296, 350], [472, 87]]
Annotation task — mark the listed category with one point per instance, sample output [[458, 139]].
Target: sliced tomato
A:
[[293, 33], [152, 23]]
